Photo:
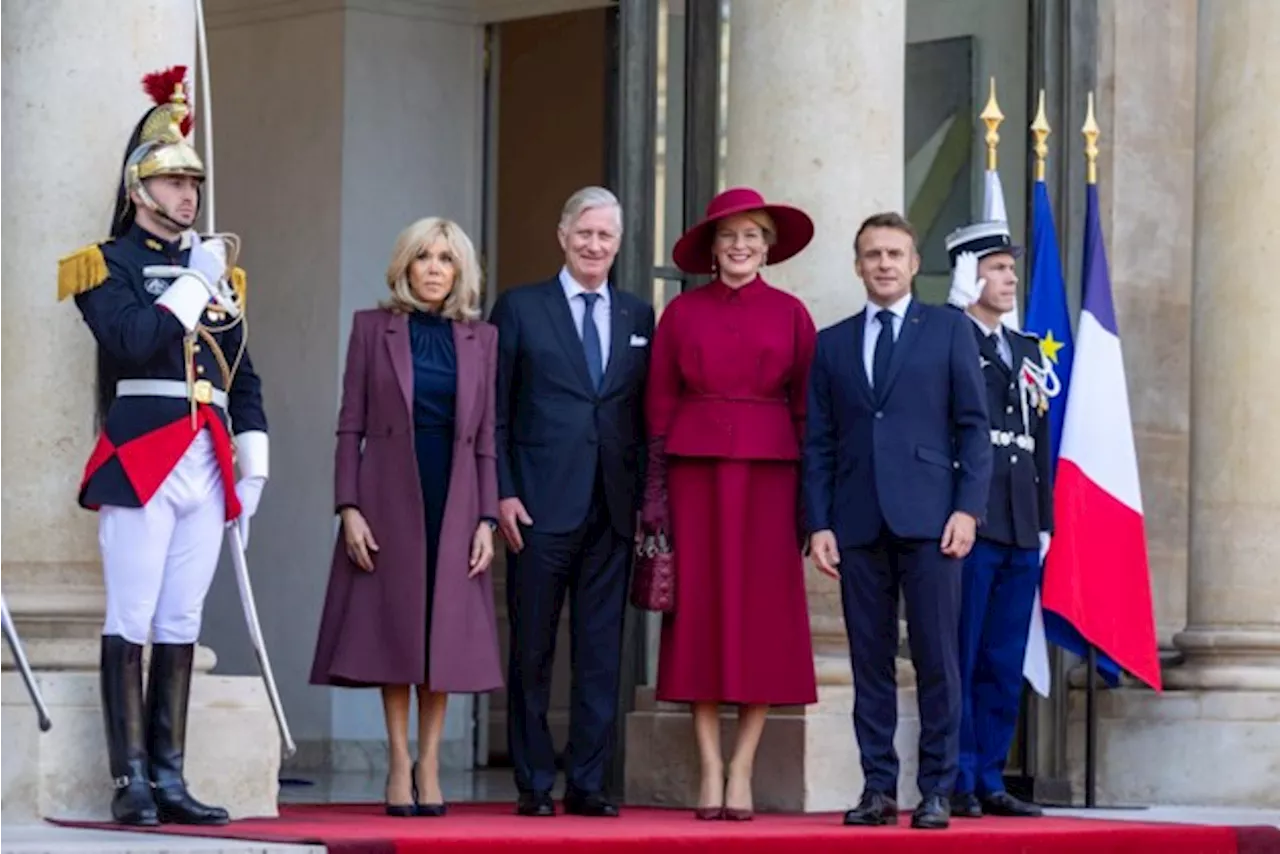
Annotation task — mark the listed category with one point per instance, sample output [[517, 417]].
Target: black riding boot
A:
[[168, 690], [121, 683]]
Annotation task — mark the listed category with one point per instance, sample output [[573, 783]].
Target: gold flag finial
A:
[[1091, 131], [1040, 130], [992, 117]]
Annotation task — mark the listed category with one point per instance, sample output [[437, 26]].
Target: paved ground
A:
[[479, 786]]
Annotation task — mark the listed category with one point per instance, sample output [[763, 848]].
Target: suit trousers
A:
[[158, 560], [590, 564], [999, 592], [870, 580]]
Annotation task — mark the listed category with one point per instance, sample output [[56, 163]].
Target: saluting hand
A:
[[958, 535], [361, 546], [826, 553], [481, 550]]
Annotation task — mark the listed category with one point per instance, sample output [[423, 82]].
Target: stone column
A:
[[72, 76], [1233, 635], [815, 119], [1147, 110], [1213, 737]]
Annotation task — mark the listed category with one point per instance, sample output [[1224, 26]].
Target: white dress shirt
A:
[[578, 307], [872, 333], [1002, 341]]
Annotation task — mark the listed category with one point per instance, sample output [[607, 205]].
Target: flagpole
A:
[[1090, 131]]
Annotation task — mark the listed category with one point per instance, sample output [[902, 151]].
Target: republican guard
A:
[[179, 410], [1002, 572]]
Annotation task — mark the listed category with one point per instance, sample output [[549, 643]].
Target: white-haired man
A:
[[573, 353]]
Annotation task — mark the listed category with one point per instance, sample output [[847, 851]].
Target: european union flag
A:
[[1047, 314]]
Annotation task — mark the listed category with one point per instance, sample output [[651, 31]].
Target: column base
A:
[[1182, 747], [233, 747], [808, 759]]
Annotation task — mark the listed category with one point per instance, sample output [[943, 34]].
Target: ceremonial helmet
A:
[[159, 144]]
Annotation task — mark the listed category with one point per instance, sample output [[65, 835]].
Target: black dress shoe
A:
[[875, 808], [966, 806], [430, 810], [1003, 803], [933, 813], [592, 805], [537, 804]]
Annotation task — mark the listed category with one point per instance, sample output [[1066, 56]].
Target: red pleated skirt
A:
[[740, 632]]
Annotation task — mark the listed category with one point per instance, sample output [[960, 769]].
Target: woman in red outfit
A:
[[725, 409]]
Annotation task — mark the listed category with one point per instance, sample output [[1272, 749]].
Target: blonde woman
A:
[[409, 601]]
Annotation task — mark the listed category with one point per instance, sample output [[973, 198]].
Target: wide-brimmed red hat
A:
[[692, 252]]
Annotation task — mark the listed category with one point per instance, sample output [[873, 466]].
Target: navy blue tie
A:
[[591, 341], [883, 352]]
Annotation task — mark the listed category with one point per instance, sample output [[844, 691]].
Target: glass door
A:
[[669, 65]]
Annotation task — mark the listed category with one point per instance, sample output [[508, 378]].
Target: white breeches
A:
[[158, 560]]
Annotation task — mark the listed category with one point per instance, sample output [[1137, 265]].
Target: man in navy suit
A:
[[573, 354], [897, 468]]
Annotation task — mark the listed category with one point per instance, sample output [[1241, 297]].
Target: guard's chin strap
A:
[[155, 208]]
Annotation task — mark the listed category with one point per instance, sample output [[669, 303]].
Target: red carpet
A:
[[363, 829]]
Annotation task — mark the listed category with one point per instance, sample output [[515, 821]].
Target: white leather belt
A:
[[202, 391], [1004, 438]]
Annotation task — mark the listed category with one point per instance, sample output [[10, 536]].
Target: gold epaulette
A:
[[239, 285], [82, 270]]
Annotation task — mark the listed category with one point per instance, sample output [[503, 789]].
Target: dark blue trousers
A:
[[999, 591], [589, 564], [870, 580]]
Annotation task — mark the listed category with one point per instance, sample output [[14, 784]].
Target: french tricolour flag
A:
[[1097, 585]]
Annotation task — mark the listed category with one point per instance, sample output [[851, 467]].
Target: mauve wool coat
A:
[[373, 628]]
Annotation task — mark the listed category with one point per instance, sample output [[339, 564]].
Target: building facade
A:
[[338, 122]]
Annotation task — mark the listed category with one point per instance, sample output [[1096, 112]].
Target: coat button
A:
[[1009, 410], [1013, 458], [879, 415], [468, 440]]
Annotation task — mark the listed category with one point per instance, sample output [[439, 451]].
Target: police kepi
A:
[[175, 384], [1002, 572]]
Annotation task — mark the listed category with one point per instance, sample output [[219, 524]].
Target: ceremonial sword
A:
[[15, 646], [233, 529]]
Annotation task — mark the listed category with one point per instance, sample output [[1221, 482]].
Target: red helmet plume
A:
[[159, 85]]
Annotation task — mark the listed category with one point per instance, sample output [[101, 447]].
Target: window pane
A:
[[668, 196]]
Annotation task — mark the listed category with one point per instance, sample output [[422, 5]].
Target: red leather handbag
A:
[[653, 575]]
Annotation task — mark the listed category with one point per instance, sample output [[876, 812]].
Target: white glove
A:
[[249, 491], [1044, 545], [208, 258], [966, 287]]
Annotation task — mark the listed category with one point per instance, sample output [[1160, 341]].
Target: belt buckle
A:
[[202, 391]]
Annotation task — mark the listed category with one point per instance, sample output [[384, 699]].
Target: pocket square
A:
[[639, 341]]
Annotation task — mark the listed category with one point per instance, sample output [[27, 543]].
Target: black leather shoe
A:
[[875, 808], [536, 804], [966, 806], [933, 813], [592, 805], [121, 685], [1003, 803], [168, 693]]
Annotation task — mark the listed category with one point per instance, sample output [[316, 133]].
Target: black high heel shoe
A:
[[403, 810], [425, 810]]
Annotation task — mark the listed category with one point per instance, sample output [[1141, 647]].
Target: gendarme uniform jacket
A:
[[144, 350], [1020, 503]]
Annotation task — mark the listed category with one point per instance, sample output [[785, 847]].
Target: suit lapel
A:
[[468, 360], [401, 353], [562, 323], [856, 343], [910, 331], [619, 339]]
